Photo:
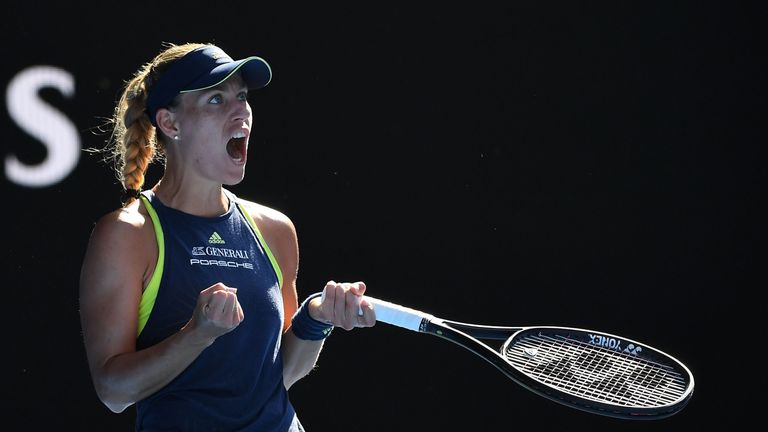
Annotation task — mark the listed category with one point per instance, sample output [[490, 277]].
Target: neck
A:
[[199, 201]]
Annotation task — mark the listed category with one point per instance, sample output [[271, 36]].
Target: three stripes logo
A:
[[215, 238]]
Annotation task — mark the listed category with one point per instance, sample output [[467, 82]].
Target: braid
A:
[[140, 142], [134, 135]]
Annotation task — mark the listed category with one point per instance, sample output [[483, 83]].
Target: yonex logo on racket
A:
[[633, 349], [612, 343]]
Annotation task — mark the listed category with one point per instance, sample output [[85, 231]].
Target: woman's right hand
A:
[[217, 312]]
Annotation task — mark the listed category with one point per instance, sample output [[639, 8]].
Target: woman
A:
[[188, 295]]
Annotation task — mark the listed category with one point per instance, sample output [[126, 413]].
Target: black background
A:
[[585, 164]]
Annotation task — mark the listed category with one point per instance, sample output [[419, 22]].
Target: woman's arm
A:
[[114, 272], [339, 306]]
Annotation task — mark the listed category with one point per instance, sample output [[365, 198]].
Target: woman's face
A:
[[214, 127]]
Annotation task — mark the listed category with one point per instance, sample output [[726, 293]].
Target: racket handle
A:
[[397, 315]]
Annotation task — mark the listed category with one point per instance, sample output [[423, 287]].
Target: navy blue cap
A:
[[201, 69]]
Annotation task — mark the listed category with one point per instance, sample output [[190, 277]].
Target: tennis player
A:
[[188, 296]]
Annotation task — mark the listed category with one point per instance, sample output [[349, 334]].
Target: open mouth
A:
[[236, 147]]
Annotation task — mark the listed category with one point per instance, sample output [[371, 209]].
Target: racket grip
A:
[[397, 315]]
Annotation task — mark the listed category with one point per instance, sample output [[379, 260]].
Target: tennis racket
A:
[[589, 370]]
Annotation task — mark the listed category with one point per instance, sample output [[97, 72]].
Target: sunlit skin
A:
[[122, 255]]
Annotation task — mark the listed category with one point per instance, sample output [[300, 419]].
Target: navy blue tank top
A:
[[236, 384]]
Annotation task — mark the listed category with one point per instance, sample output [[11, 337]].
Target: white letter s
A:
[[43, 122]]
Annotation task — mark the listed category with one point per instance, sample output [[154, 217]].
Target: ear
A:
[[166, 122]]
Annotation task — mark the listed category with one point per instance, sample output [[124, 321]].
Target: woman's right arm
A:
[[113, 276]]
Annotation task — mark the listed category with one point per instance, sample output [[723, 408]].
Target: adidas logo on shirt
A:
[[215, 238]]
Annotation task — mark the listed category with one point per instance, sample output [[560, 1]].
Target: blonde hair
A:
[[134, 144]]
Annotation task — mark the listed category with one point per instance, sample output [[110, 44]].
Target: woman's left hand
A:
[[343, 305]]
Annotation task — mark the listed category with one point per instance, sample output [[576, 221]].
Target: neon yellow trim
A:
[[150, 293], [263, 242]]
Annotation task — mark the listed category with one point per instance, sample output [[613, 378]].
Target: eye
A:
[[242, 96], [215, 99]]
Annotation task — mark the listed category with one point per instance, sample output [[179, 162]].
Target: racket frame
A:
[[469, 336]]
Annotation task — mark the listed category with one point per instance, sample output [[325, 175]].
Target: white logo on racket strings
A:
[[613, 343]]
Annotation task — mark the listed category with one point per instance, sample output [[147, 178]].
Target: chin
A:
[[233, 180]]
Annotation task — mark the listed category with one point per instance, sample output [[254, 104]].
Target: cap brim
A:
[[255, 72]]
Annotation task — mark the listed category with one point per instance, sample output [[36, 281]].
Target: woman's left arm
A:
[[339, 306]]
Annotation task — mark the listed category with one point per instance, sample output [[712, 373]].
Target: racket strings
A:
[[596, 373]]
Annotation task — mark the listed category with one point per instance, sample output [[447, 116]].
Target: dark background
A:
[[586, 164]]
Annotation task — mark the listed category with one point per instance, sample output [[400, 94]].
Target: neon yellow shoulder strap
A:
[[150, 292], [263, 242]]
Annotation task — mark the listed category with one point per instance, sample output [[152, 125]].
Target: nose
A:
[[242, 111]]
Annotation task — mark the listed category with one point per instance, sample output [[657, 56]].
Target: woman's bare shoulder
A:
[[267, 216], [121, 252], [123, 220]]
